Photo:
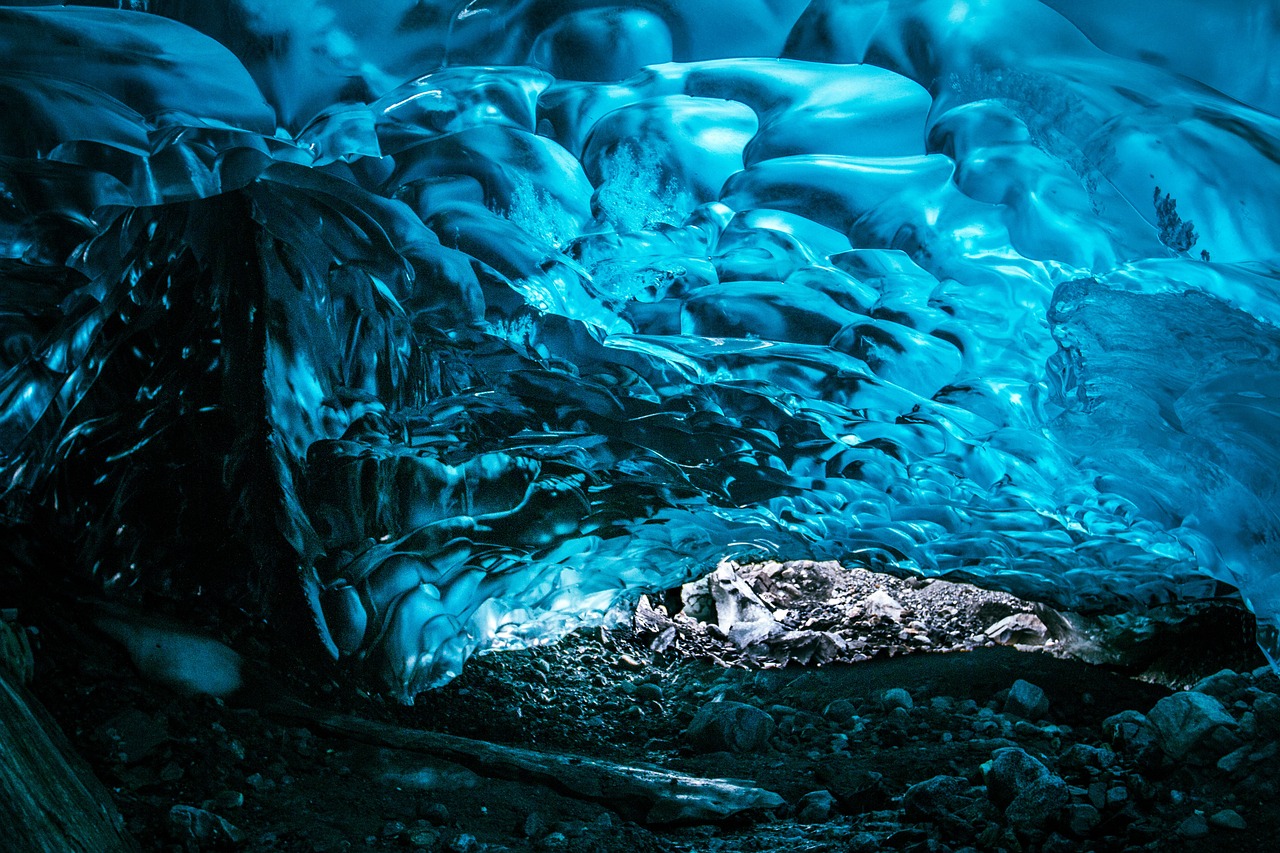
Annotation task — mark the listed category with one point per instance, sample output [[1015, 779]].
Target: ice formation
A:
[[485, 314]]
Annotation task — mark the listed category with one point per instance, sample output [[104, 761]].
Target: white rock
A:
[[1023, 629], [881, 603], [735, 601]]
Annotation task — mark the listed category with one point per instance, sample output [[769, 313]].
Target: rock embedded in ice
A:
[[174, 655]]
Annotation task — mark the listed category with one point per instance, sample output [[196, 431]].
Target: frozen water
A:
[[485, 315]]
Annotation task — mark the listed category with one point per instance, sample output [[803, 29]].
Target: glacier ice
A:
[[468, 319]]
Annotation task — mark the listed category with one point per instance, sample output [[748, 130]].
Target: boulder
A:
[[840, 712], [815, 807], [1184, 721], [1221, 684], [1128, 730], [729, 726], [1021, 785], [1082, 819], [1082, 756], [942, 800], [1194, 826], [1026, 700], [882, 604], [896, 697]]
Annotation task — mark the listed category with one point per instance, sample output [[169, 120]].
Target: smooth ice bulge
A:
[[478, 318]]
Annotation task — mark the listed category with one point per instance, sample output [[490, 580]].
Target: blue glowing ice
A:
[[483, 315]]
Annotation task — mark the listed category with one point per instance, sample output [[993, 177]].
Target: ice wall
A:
[[478, 316]]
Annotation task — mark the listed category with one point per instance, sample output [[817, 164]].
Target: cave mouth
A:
[[804, 613]]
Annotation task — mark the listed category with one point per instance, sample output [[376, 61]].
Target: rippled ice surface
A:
[[487, 313]]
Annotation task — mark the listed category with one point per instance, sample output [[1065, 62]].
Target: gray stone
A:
[[1221, 684], [1228, 819], [1194, 827], [729, 726], [896, 697], [1128, 731], [1026, 700], [815, 807], [1083, 819], [648, 693], [938, 799], [1081, 756], [1236, 760], [840, 712], [1027, 791], [1266, 712], [1183, 721], [206, 830]]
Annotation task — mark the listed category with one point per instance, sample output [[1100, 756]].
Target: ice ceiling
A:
[[485, 314]]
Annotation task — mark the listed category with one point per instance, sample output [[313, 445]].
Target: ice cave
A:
[[676, 425]]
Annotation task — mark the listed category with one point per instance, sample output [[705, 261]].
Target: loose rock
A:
[[896, 697], [939, 800], [1181, 722], [732, 726], [1021, 629], [815, 807], [1026, 700], [203, 828], [1194, 827], [1228, 819], [1027, 791], [881, 603]]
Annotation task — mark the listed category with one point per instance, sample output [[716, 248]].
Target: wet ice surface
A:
[[488, 315]]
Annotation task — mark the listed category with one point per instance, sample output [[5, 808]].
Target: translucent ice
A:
[[477, 318]]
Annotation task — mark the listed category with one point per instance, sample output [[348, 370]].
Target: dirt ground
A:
[[844, 747]]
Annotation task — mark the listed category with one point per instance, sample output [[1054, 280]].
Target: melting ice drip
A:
[[591, 301]]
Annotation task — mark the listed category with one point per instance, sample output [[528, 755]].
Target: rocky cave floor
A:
[[885, 714]]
